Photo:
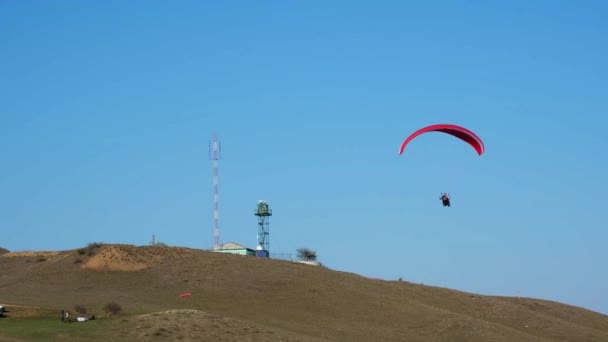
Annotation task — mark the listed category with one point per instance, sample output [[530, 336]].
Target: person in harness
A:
[[445, 199]]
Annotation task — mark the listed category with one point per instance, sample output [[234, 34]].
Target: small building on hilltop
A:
[[235, 248]]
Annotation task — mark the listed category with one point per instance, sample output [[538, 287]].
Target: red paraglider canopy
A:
[[185, 295], [454, 130]]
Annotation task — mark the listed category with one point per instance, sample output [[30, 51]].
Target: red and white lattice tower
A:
[[215, 155]]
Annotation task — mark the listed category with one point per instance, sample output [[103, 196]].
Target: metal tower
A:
[[215, 155], [263, 212]]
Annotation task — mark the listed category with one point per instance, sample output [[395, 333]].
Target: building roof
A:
[[232, 245]]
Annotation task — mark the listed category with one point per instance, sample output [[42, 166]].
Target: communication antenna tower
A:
[[215, 155]]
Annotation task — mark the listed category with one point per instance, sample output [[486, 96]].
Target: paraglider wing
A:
[[454, 130]]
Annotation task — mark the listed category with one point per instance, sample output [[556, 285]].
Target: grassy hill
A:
[[238, 298]]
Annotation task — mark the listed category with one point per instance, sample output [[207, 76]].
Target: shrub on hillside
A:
[[306, 254], [3, 251], [92, 247], [112, 309], [80, 309]]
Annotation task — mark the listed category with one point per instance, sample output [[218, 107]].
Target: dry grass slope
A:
[[195, 325], [251, 299]]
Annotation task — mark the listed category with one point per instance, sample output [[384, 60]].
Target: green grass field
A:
[[52, 329]]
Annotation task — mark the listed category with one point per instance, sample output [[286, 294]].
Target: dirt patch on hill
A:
[[195, 325], [115, 258]]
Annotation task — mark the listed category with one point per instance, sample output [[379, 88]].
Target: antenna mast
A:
[[215, 155]]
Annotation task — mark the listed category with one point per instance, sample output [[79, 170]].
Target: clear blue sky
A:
[[107, 108]]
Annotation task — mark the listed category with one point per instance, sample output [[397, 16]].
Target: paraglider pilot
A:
[[445, 199]]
